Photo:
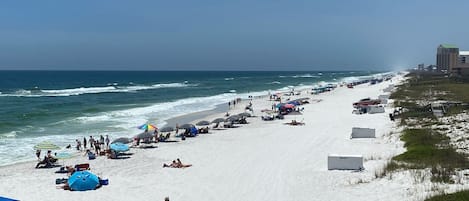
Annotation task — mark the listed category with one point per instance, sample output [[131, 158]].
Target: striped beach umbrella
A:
[[147, 127], [46, 145]]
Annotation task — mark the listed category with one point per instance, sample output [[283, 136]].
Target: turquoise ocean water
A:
[[61, 106]]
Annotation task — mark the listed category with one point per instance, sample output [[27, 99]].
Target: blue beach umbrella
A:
[[119, 147], [83, 181]]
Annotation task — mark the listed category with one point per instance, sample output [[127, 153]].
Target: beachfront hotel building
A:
[[449, 59]]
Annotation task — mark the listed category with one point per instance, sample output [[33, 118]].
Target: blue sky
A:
[[227, 35]]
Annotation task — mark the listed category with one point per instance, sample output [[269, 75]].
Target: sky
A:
[[227, 35]]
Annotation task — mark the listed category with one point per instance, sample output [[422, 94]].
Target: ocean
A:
[[61, 106]]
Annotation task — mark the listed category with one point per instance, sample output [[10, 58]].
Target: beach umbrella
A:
[[232, 118], [119, 147], [147, 127], [144, 135], [244, 114], [166, 129], [202, 123], [46, 145], [218, 120], [83, 181], [63, 155], [123, 140], [186, 126]]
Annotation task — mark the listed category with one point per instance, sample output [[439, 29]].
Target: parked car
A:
[[366, 102]]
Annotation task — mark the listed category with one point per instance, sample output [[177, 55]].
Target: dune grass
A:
[[459, 196]]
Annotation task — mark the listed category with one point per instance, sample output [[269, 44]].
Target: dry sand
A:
[[257, 161]]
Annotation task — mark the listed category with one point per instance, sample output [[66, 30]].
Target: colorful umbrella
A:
[[83, 181], [147, 127], [46, 145]]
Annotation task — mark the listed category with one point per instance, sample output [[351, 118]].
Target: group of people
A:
[[233, 103], [97, 144], [176, 164], [48, 160]]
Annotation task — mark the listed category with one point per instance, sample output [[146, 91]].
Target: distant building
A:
[[421, 66], [446, 57], [449, 59]]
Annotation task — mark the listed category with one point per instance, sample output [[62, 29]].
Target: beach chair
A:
[[81, 167]]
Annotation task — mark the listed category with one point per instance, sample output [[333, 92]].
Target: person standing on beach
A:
[[229, 105], [84, 143], [96, 147], [101, 139], [91, 141], [107, 142], [78, 144], [177, 129]]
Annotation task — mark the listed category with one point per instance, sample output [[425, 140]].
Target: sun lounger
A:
[[81, 167]]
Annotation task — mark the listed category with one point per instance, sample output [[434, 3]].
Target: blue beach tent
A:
[[83, 181], [7, 199]]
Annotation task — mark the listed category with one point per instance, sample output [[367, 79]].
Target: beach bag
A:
[[104, 182], [91, 156]]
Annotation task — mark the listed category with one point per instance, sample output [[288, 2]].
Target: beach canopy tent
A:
[[202, 123], [186, 126], [147, 127], [123, 140], [119, 147], [167, 129], [46, 145], [344, 162], [7, 199], [83, 181], [363, 132], [218, 120]]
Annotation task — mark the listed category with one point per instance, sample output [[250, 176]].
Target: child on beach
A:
[[38, 154]]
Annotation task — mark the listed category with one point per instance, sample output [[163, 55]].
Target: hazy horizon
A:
[[228, 36]]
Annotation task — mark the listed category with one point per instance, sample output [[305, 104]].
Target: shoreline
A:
[[283, 162]]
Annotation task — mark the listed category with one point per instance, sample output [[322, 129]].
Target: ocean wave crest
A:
[[91, 90]]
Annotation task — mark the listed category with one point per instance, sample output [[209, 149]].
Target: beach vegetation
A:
[[428, 148], [458, 196]]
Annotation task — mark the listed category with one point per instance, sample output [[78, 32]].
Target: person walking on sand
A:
[[84, 143]]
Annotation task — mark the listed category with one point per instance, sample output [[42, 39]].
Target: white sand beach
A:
[[262, 160]]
